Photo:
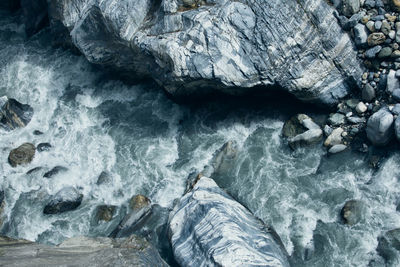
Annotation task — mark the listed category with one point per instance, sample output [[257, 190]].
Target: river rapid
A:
[[149, 144]]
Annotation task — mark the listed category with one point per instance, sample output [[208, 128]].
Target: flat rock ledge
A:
[[80, 251], [208, 228]]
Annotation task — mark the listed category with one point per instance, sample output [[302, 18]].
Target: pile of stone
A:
[[375, 28]]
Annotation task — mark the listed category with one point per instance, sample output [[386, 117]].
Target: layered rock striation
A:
[[80, 251], [208, 228], [196, 47]]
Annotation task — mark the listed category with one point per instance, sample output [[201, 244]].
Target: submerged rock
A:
[[380, 127], [53, 172], [353, 212], [103, 178], [389, 247], [22, 155], [301, 130], [208, 228], [81, 251], [228, 46], [14, 114], [66, 199], [224, 158]]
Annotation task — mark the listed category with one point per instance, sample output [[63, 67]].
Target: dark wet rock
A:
[[220, 45], [224, 158], [104, 213], [34, 15], [140, 208], [2, 206], [396, 94], [301, 130], [103, 178], [22, 155], [37, 132], [13, 114], [56, 170], [389, 247], [34, 170], [81, 251], [66, 199], [353, 212], [208, 228], [43, 147], [380, 127], [368, 93]]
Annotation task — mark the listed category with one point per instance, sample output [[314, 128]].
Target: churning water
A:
[[149, 145]]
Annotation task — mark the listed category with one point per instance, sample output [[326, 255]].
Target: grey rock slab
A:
[[208, 228], [80, 251]]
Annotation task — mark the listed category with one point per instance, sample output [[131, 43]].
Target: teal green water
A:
[[150, 144]]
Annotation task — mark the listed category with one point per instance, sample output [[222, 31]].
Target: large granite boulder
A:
[[80, 251], [380, 127], [397, 128], [64, 200], [13, 114], [208, 228], [230, 46]]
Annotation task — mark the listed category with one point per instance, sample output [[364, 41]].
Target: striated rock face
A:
[[208, 228], [195, 47], [80, 251]]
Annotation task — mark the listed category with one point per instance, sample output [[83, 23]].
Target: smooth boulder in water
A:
[[81, 251], [209, 228], [13, 114], [64, 200], [380, 127], [22, 155]]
